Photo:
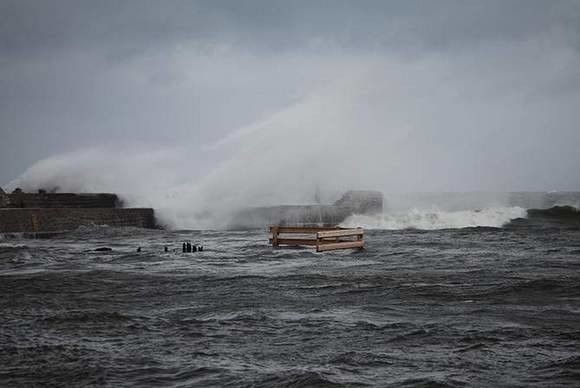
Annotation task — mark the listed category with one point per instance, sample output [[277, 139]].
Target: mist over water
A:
[[385, 122]]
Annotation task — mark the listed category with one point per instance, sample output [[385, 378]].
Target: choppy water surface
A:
[[478, 306]]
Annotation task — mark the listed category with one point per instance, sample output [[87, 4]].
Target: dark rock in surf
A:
[[560, 212]]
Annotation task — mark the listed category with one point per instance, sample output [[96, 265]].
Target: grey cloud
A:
[[76, 74], [132, 26]]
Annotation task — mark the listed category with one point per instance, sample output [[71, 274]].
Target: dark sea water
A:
[[444, 308]]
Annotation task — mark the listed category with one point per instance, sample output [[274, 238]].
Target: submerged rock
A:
[[103, 249]]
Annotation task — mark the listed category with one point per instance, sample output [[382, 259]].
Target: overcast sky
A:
[[423, 95]]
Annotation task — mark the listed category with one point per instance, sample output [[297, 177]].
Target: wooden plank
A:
[[304, 241], [295, 241], [302, 229], [340, 233], [34, 223], [340, 245]]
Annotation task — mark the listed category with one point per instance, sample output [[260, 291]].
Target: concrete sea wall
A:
[[45, 213], [352, 202], [60, 200], [53, 220]]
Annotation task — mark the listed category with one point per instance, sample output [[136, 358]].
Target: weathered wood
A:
[[302, 229], [294, 241], [275, 232], [340, 245], [340, 233], [34, 223], [305, 241], [323, 238]]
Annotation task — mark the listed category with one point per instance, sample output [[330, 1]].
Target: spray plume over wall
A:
[[485, 119]]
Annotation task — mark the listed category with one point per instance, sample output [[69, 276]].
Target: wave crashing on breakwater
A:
[[437, 219], [495, 217]]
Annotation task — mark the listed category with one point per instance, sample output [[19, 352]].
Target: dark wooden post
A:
[[275, 236], [318, 238]]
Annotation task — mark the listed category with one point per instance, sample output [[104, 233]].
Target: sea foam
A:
[[431, 219]]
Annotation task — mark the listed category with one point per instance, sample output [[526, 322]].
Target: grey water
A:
[[440, 308]]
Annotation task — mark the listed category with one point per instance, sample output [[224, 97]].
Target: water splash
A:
[[437, 219]]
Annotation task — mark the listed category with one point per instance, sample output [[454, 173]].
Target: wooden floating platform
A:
[[323, 238]]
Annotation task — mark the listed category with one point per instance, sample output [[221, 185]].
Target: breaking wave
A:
[[438, 219]]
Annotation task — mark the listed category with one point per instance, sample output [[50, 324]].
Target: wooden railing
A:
[[323, 238]]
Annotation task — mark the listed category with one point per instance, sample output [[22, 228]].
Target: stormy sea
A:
[[447, 306]]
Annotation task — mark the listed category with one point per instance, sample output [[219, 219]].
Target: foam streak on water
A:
[[482, 307]]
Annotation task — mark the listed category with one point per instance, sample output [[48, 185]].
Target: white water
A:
[[437, 219]]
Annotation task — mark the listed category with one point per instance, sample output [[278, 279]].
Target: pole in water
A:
[[194, 248], [165, 249], [184, 247], [139, 249]]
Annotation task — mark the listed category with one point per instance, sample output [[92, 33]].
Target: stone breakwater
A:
[[47, 213], [60, 200], [352, 202], [63, 219]]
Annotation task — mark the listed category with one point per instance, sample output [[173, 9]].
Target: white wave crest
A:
[[574, 204], [437, 219]]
